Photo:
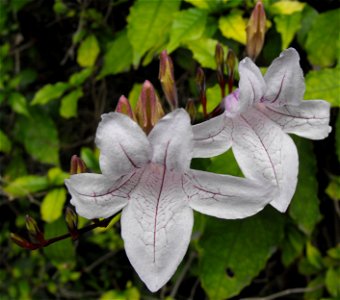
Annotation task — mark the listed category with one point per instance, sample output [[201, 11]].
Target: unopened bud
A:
[[231, 62], [219, 57], [167, 79], [34, 231], [71, 219], [256, 30], [200, 79], [149, 109], [124, 107], [77, 165], [191, 109], [22, 242]]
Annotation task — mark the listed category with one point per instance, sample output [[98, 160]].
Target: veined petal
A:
[[98, 196], [226, 196], [310, 119], [122, 143], [212, 137], [157, 225], [172, 141], [252, 86], [284, 80], [267, 154]]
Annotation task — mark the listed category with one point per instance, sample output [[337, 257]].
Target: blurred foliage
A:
[[63, 63]]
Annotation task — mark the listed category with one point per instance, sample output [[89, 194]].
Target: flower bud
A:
[[149, 109], [22, 242], [167, 79], [231, 61], [34, 231], [256, 31], [191, 109], [77, 165], [219, 57], [71, 219], [200, 79], [124, 107]]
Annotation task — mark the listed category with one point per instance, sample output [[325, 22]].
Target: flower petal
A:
[[212, 137], [156, 226], [226, 196], [171, 141], [251, 86], [284, 80], [265, 153], [122, 143], [97, 196], [310, 119]]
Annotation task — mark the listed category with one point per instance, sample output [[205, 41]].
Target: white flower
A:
[[256, 121], [149, 177]]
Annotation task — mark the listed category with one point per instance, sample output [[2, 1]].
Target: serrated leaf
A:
[[50, 92], [332, 281], [233, 26], [286, 7], [18, 103], [148, 22], [322, 43], [304, 208], [5, 143], [52, 205], [69, 104], [234, 252], [26, 185], [40, 137], [88, 51], [118, 56], [324, 84], [187, 25], [287, 26], [80, 77]]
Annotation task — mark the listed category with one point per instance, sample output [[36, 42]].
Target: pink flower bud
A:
[[36, 235], [124, 107], [77, 165]]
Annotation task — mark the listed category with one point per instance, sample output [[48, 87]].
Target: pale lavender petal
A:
[[265, 153], [212, 137], [284, 80], [156, 226], [252, 86], [98, 196], [226, 196], [310, 119], [123, 145], [171, 141]]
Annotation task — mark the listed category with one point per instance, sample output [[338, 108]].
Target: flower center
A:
[[231, 103]]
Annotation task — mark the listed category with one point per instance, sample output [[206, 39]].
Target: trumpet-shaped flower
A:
[[149, 177], [256, 120]]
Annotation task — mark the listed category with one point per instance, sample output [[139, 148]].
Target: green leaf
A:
[[304, 208], [40, 137], [287, 26], [324, 84], [88, 51], [5, 143], [308, 17], [337, 136], [18, 103], [322, 43], [149, 22], [225, 164], [50, 92], [188, 25], [286, 7], [313, 256], [316, 288], [79, 78], [56, 176], [90, 158], [26, 185], [234, 252], [52, 205], [134, 94], [332, 281], [118, 56], [333, 188], [204, 52], [60, 254], [334, 252], [233, 26], [69, 104]]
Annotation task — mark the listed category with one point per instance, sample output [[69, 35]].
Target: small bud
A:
[[256, 30], [34, 231], [77, 165], [219, 57], [231, 61], [200, 79], [71, 219], [124, 107], [22, 242], [167, 79], [191, 109], [149, 109]]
